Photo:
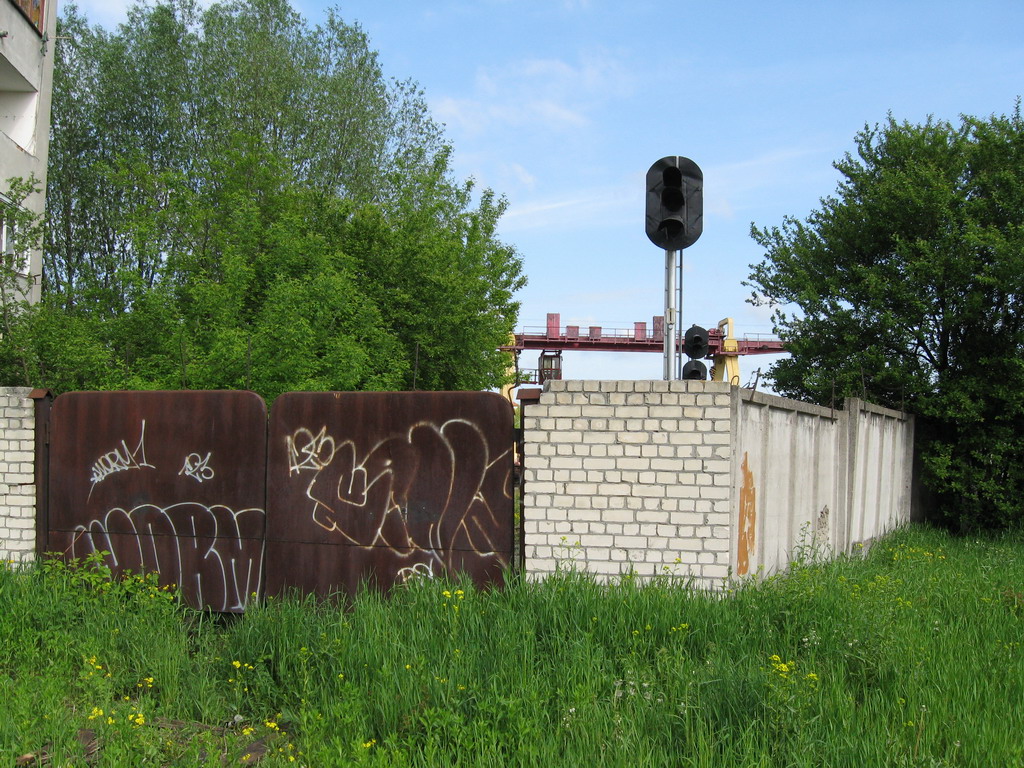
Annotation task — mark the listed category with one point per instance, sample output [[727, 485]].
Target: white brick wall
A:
[[17, 475], [702, 481], [629, 476]]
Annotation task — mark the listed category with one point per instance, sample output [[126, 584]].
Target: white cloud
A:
[[475, 116], [742, 185], [488, 172], [110, 13], [523, 176], [567, 5], [595, 206], [553, 113], [542, 94]]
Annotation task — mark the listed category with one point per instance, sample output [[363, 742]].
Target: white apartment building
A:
[[27, 42]]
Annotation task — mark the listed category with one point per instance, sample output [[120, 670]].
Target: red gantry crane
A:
[[723, 347]]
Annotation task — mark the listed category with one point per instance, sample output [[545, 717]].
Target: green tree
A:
[[239, 199], [22, 232], [906, 287]]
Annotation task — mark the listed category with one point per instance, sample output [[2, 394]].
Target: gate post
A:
[[43, 400], [525, 397]]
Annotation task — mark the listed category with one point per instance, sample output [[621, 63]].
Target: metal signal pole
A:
[[671, 331], [679, 320]]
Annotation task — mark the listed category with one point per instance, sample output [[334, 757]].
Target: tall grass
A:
[[910, 656]]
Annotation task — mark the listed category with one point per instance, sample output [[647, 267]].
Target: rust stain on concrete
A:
[[748, 519]]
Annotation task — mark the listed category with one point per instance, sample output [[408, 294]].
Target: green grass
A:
[[909, 657]]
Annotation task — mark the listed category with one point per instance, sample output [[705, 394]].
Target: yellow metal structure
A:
[[727, 363], [512, 370]]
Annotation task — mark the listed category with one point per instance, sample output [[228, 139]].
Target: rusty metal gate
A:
[[357, 487], [171, 482], [376, 486]]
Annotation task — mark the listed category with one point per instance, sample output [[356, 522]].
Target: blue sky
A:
[[562, 105]]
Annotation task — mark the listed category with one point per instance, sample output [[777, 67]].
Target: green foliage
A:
[[24, 233], [908, 656], [238, 199], [907, 287]]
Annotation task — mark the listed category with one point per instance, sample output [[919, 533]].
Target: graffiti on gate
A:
[[121, 459], [139, 475], [204, 549], [418, 494], [198, 467], [349, 488], [309, 451], [379, 488]]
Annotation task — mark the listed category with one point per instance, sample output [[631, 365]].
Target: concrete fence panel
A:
[[788, 484], [880, 464]]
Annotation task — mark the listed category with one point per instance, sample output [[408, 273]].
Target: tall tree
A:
[[239, 199], [906, 287]]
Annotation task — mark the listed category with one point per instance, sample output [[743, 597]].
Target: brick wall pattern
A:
[[703, 481], [17, 475], [629, 476]]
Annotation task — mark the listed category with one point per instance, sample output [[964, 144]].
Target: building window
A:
[[8, 253], [35, 12]]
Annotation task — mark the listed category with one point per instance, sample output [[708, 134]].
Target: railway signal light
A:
[[695, 346], [675, 203], [695, 342]]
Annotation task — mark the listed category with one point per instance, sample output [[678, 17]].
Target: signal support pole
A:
[[670, 315], [679, 320]]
